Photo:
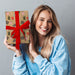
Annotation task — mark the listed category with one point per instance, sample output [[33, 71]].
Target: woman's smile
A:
[[43, 29]]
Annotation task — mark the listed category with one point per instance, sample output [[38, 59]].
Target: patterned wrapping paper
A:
[[10, 21]]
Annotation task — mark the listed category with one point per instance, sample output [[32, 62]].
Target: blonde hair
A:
[[47, 45]]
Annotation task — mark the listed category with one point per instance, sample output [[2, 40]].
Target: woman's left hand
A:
[[31, 47]]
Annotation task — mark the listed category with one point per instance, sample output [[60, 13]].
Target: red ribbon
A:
[[16, 30]]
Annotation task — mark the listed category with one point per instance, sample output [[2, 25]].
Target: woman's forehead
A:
[[45, 14]]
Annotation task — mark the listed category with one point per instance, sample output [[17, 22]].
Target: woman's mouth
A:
[[44, 29]]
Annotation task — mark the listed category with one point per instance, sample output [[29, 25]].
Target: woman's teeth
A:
[[44, 28]]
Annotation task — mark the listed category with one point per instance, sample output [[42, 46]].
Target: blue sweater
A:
[[59, 61]]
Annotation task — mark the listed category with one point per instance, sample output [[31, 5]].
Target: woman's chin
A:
[[42, 34]]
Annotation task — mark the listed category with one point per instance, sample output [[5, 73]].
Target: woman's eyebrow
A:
[[42, 17]]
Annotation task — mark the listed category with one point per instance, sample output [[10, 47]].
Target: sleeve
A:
[[19, 66], [59, 62]]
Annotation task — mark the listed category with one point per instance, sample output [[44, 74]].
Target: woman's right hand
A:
[[18, 52]]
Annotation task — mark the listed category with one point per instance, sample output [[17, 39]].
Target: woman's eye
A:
[[50, 21], [41, 20]]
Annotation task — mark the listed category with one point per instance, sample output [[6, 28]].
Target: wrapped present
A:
[[17, 27]]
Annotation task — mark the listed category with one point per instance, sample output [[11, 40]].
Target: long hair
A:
[[47, 45]]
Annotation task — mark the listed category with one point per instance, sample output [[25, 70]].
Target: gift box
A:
[[17, 27]]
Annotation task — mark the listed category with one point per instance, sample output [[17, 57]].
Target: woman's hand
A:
[[31, 47], [18, 52]]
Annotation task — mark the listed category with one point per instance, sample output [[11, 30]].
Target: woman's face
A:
[[43, 23]]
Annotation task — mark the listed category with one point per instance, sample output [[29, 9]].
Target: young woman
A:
[[47, 52]]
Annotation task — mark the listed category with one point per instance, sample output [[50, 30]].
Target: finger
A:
[[9, 46], [5, 41], [12, 48]]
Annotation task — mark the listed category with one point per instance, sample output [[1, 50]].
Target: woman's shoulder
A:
[[59, 40], [59, 45], [58, 37]]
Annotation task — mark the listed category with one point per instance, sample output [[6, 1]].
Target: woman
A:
[[47, 53]]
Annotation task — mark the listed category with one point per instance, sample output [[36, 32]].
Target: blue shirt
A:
[[59, 61]]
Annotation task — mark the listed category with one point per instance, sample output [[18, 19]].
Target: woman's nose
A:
[[45, 23]]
